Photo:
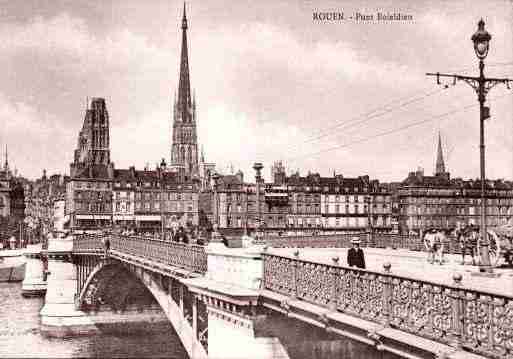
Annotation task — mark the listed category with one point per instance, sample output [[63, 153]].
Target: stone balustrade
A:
[[477, 321]]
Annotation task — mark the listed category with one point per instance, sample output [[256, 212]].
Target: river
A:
[[20, 336]]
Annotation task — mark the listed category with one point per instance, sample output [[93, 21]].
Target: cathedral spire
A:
[[184, 85], [440, 165], [184, 146]]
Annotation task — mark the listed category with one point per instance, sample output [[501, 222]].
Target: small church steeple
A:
[[6, 163], [440, 165]]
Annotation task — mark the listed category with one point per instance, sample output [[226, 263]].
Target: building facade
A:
[[441, 202], [302, 204]]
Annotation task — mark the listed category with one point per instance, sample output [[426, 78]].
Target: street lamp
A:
[[215, 178], [481, 84], [481, 39]]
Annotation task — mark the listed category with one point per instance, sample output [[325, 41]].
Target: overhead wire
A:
[[365, 117], [388, 132]]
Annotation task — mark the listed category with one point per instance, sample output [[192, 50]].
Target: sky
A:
[[271, 83]]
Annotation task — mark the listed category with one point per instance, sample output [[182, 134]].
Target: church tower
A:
[[93, 140], [440, 165], [184, 146]]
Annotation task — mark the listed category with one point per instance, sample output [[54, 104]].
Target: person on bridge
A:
[[106, 244], [355, 256]]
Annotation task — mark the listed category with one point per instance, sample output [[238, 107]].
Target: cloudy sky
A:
[[271, 83]]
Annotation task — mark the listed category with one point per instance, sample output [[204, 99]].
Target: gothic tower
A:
[[93, 140], [184, 146], [440, 165]]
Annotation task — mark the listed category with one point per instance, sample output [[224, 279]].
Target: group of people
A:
[[466, 237]]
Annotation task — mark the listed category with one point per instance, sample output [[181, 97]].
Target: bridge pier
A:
[[60, 315], [34, 282]]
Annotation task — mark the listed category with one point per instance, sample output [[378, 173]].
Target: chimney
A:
[[240, 176]]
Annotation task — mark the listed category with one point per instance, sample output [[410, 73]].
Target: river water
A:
[[20, 336]]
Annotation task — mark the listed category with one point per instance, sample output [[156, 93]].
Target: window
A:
[[337, 208]]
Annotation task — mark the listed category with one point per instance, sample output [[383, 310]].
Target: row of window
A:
[[444, 222], [452, 201], [412, 210], [93, 207]]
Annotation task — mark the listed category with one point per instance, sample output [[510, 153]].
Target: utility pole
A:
[[481, 84]]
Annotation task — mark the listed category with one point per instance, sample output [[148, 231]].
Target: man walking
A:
[[355, 256], [106, 244]]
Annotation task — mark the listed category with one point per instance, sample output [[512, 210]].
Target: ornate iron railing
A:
[[478, 321], [376, 240], [186, 256]]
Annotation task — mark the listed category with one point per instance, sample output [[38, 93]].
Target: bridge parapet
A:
[[374, 240], [190, 257], [477, 321]]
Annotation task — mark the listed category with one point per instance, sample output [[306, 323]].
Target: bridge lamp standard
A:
[[481, 85], [215, 178], [481, 40]]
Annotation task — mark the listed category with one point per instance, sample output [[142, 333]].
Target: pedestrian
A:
[[106, 244], [355, 256]]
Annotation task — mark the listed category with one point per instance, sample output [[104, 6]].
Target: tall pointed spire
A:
[[184, 85], [6, 163], [440, 165], [184, 146]]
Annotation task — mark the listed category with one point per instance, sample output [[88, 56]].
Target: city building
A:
[[43, 197], [12, 194], [440, 201], [154, 200], [302, 204]]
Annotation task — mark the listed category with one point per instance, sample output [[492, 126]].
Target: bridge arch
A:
[[117, 285], [111, 284]]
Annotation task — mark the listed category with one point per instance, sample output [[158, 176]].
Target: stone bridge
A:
[[264, 303]]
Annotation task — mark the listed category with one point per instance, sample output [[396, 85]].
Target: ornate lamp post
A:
[[481, 84], [258, 179], [215, 178], [481, 39]]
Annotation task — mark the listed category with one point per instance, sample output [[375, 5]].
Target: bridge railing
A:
[[376, 240], [478, 321], [186, 256]]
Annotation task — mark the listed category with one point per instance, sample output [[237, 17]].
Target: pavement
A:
[[415, 265]]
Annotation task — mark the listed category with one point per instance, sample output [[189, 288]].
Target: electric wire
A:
[[388, 132]]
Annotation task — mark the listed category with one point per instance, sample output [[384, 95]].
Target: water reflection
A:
[[20, 336]]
